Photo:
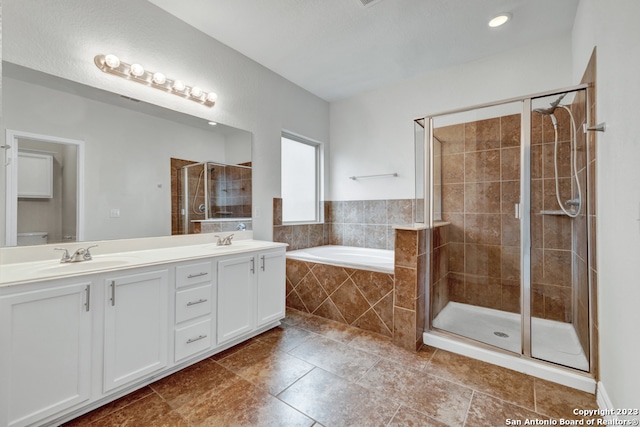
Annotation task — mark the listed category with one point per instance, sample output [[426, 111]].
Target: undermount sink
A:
[[86, 265]]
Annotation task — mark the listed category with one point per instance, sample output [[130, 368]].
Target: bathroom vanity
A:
[[75, 336]]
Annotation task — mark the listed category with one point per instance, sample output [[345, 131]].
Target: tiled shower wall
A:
[[360, 223], [232, 196], [587, 299], [480, 184]]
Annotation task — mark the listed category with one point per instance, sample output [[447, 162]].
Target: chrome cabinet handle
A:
[[113, 293], [87, 302], [192, 340], [262, 257], [253, 265], [191, 276], [200, 301]]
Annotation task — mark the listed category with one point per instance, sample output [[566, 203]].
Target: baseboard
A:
[[604, 403]]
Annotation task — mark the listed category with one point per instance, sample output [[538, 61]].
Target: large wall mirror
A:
[[148, 171]]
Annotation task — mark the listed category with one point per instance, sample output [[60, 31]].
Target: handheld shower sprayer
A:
[[576, 202], [549, 111]]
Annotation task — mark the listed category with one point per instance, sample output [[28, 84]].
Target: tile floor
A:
[[312, 371]]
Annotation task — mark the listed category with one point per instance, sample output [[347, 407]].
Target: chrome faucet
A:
[[224, 241], [81, 254]]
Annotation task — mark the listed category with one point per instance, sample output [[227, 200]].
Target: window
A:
[[300, 172]]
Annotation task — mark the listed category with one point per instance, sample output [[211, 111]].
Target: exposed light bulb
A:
[[499, 20], [136, 70], [196, 92], [159, 78], [111, 64], [112, 61], [178, 86]]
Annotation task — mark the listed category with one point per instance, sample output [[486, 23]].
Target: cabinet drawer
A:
[[193, 274], [192, 339], [192, 303]]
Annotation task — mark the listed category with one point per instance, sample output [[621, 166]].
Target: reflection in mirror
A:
[[128, 152], [210, 197], [43, 175]]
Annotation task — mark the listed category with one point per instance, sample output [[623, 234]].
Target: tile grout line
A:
[[466, 415], [394, 415], [486, 393]]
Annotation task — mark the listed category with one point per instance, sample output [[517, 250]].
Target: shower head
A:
[[549, 111], [552, 107]]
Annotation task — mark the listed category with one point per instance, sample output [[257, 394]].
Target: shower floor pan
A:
[[552, 341]]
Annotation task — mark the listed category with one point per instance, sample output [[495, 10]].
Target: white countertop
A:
[[35, 271]]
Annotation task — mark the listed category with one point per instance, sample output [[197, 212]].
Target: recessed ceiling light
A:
[[212, 123], [499, 20]]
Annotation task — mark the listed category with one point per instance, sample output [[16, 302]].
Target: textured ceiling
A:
[[338, 48]]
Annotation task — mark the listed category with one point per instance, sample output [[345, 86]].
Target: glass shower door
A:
[[559, 286], [475, 282]]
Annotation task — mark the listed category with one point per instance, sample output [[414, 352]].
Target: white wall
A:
[[61, 38], [372, 133], [614, 30]]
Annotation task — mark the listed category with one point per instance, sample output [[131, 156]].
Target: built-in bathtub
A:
[[348, 284], [380, 260]]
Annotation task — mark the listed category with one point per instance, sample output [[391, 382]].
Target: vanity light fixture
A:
[[111, 64]]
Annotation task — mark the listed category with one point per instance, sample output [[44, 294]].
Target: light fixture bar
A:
[[135, 72]]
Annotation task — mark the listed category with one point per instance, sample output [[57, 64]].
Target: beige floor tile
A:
[[231, 350], [242, 404], [558, 401], [407, 417], [438, 398], [333, 401], [151, 410], [194, 381], [505, 384], [247, 356], [284, 337], [384, 347], [489, 411], [276, 372], [109, 408], [329, 374], [337, 358], [330, 328]]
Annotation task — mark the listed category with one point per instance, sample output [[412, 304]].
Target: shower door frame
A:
[[524, 214]]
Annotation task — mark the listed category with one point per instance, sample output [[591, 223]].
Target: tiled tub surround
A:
[[359, 223], [354, 297], [439, 278], [392, 305]]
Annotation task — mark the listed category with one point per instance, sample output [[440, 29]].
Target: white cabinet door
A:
[[236, 297], [136, 327], [45, 354], [271, 286]]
